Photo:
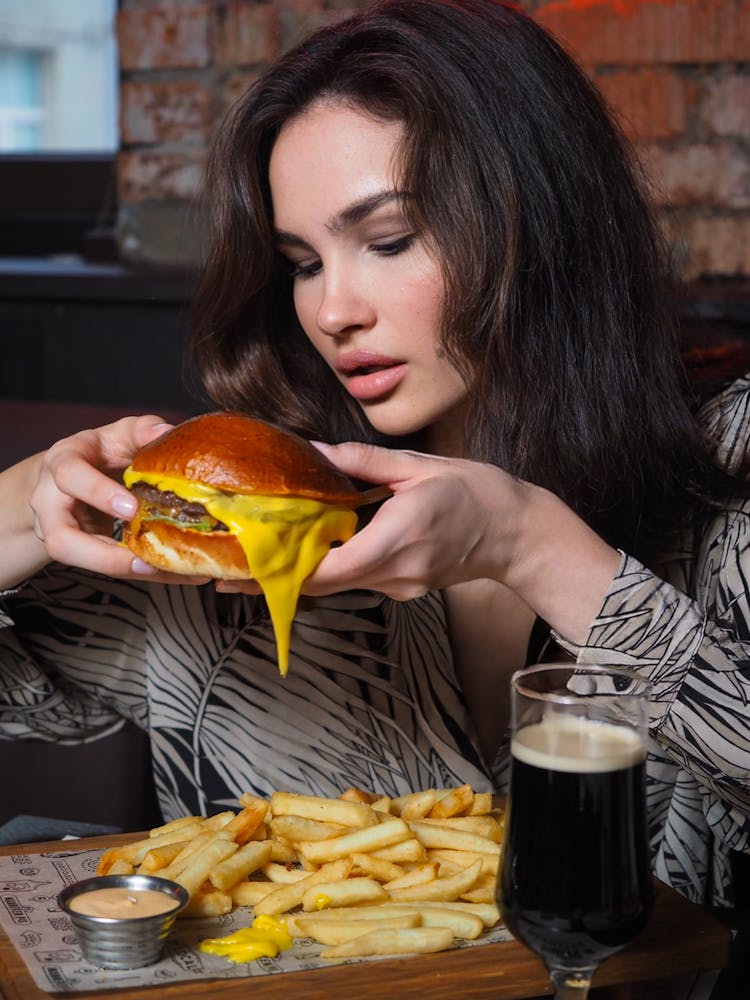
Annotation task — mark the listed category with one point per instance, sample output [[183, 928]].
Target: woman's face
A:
[[368, 291]]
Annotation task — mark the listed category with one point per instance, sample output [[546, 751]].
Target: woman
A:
[[428, 244]]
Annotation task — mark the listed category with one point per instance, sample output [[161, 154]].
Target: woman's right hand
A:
[[61, 505]]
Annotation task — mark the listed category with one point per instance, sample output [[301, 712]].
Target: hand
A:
[[451, 520], [68, 497]]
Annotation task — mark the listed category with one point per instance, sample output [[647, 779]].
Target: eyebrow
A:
[[347, 217]]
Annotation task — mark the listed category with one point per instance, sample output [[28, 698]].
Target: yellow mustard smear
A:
[[283, 538], [322, 901], [265, 939]]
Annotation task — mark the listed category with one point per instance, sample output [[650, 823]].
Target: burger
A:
[[226, 496]]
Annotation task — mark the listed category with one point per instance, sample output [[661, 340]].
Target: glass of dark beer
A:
[[575, 885]]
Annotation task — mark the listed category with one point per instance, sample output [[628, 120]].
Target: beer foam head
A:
[[572, 743]]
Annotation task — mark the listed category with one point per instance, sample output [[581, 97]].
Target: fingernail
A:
[[139, 566], [124, 506]]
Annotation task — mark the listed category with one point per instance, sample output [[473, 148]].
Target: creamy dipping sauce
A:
[[122, 903]]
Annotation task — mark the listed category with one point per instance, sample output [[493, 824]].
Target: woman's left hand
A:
[[448, 520], [452, 520]]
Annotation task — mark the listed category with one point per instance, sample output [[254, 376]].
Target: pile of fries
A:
[[359, 874]]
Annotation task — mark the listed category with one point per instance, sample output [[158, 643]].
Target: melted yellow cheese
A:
[[283, 538], [265, 939]]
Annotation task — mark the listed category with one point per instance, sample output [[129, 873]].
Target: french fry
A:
[[463, 924], [121, 867], [248, 893], [283, 853], [417, 876], [296, 828], [353, 814], [401, 802], [453, 860], [418, 805], [383, 871], [482, 804], [382, 805], [334, 932], [208, 904], [246, 822], [159, 857], [195, 874], [371, 838], [455, 802], [445, 889], [409, 851], [218, 820], [286, 897], [344, 892], [188, 852], [173, 825], [449, 838], [410, 941], [357, 795], [488, 913], [248, 859], [483, 826], [483, 890], [283, 874]]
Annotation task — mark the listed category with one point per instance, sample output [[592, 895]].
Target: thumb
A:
[[373, 464]]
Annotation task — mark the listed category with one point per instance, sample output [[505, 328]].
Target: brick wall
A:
[[676, 72]]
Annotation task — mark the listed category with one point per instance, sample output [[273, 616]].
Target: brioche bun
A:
[[227, 453]]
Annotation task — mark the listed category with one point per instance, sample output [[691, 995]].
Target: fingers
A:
[[379, 465], [78, 494]]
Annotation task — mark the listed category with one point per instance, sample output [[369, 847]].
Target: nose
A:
[[345, 305]]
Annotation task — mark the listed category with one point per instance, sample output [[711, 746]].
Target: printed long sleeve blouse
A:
[[371, 698]]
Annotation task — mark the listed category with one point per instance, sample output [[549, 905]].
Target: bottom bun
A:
[[216, 554]]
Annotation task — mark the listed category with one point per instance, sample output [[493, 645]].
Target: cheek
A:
[[306, 308]]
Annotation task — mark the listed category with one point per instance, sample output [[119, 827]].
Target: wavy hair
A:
[[556, 308]]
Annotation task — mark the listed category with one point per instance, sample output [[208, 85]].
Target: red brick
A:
[[159, 38], [649, 103], [715, 245], [634, 32], [715, 175], [151, 175], [174, 111], [726, 107], [247, 34]]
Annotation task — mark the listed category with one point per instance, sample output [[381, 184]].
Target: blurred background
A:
[[106, 112]]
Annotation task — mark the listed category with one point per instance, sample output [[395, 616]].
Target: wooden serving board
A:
[[681, 938]]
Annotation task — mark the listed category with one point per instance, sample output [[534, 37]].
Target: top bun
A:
[[239, 454]]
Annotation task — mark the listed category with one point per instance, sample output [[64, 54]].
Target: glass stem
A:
[[571, 985]]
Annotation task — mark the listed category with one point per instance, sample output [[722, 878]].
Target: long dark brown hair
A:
[[555, 305]]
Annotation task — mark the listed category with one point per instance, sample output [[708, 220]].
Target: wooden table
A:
[[681, 938]]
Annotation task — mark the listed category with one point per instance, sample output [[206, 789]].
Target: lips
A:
[[369, 376]]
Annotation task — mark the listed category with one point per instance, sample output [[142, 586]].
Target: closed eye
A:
[[299, 271], [394, 247]]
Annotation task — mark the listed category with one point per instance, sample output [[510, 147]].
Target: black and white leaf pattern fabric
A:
[[371, 698]]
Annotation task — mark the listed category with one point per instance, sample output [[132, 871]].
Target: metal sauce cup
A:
[[123, 942]]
